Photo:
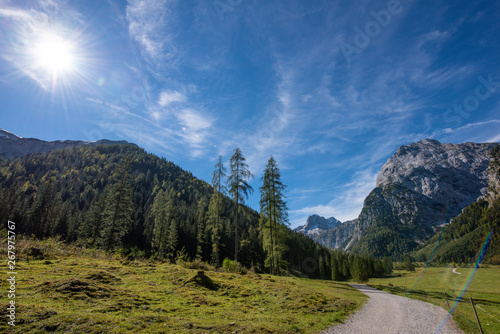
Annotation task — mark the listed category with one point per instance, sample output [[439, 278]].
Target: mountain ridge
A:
[[420, 187], [12, 145]]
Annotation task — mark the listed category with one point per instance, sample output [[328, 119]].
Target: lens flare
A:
[[479, 257], [429, 259]]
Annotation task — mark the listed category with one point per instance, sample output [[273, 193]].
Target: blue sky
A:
[[329, 88]]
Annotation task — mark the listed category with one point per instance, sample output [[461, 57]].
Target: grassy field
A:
[[431, 284], [91, 294]]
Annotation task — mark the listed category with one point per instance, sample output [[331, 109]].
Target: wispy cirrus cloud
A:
[[150, 25], [485, 131]]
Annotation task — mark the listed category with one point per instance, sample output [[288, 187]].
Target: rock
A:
[[202, 280], [316, 225], [336, 237]]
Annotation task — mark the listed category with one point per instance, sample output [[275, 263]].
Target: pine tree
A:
[[387, 266], [238, 188], [43, 211], [165, 234], [359, 269], [119, 208], [215, 209], [214, 223], [408, 264], [322, 267], [172, 239], [335, 265], [200, 228], [273, 213], [159, 211], [89, 231]]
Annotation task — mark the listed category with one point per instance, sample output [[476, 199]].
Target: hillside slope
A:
[[72, 192]]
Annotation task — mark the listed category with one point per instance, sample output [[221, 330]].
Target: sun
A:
[[54, 54]]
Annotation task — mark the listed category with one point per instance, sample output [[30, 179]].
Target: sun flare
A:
[[53, 53]]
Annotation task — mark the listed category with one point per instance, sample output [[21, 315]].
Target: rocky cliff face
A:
[[337, 237], [494, 175], [316, 224], [423, 185], [330, 232], [15, 146], [450, 174]]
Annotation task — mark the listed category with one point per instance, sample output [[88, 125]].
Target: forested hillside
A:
[[120, 198]]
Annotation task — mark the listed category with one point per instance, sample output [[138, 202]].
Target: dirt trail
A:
[[387, 313]]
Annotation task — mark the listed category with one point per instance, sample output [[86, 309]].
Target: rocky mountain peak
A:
[[316, 222], [438, 170], [7, 135]]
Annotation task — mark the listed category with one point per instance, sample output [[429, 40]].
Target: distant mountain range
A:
[[12, 145], [422, 186]]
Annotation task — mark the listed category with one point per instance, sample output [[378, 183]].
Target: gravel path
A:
[[387, 313]]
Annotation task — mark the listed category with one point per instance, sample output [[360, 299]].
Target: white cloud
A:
[[196, 131], [194, 121], [16, 13], [168, 97], [478, 132], [149, 25]]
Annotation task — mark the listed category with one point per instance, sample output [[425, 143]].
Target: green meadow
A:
[[440, 286], [82, 291]]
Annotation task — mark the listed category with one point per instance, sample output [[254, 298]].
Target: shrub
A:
[[228, 265]]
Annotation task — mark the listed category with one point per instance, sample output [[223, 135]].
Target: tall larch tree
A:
[[238, 188], [215, 208], [273, 212], [200, 227]]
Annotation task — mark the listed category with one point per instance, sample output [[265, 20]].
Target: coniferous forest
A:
[[121, 199]]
